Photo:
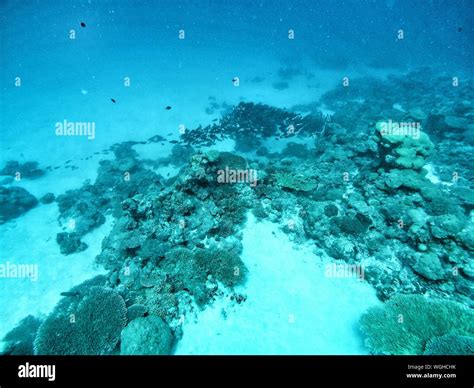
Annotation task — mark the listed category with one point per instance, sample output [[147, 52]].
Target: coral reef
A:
[[450, 345], [397, 201], [48, 198], [70, 243], [28, 170], [15, 201], [19, 341], [146, 336], [91, 326], [406, 323]]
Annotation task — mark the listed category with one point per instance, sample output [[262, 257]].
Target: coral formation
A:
[[146, 336], [450, 345], [405, 324], [19, 341], [15, 201], [91, 326], [19, 170]]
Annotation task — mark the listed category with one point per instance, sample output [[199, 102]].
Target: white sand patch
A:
[[432, 177], [274, 145], [291, 307], [153, 151], [31, 239]]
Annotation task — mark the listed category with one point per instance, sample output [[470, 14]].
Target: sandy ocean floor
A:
[[292, 307]]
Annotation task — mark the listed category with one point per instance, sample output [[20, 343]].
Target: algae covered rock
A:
[[47, 198], [295, 182], [70, 243], [357, 224], [22, 170], [146, 336], [429, 266], [466, 236], [14, 201], [410, 179], [445, 226]]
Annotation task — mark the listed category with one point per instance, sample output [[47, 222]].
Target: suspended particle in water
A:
[[345, 81], [291, 34], [236, 81], [400, 35], [182, 129], [181, 34], [126, 176], [455, 81], [18, 176], [17, 81], [126, 81], [455, 177], [72, 34]]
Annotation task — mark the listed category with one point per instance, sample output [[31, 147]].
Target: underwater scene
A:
[[205, 177]]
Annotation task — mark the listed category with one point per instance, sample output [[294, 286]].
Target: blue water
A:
[[133, 59]]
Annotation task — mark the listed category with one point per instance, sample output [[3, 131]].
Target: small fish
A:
[[69, 293], [83, 24], [113, 100], [459, 29], [168, 107], [173, 141]]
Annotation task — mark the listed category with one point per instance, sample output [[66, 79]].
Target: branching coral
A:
[[405, 324], [450, 345], [92, 329]]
